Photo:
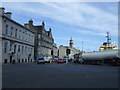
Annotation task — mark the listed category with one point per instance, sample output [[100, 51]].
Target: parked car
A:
[[41, 61], [60, 61], [70, 60], [55, 59], [35, 61], [51, 60], [47, 59]]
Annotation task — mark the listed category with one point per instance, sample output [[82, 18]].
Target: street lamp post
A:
[[82, 46]]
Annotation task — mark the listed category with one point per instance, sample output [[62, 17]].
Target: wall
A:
[[16, 35]]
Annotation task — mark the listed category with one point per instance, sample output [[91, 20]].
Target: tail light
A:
[[113, 60]]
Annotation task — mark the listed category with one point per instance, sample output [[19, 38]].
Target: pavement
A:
[[52, 75]]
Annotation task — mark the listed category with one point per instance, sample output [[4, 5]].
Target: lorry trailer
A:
[[110, 57]]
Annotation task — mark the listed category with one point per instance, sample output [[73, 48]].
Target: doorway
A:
[[19, 60], [11, 59], [5, 61]]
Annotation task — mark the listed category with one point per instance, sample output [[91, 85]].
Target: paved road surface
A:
[[59, 76]]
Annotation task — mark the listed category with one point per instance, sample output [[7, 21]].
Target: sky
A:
[[85, 22]]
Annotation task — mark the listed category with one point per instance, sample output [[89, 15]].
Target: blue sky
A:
[[83, 21]]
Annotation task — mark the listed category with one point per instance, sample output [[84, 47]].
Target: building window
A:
[[19, 34], [22, 48], [16, 33], [25, 49], [19, 60], [10, 46], [11, 31], [26, 36], [39, 36], [19, 48], [14, 48], [22, 60], [5, 50], [31, 50], [23, 35], [28, 49], [6, 29], [39, 43], [5, 61], [25, 60]]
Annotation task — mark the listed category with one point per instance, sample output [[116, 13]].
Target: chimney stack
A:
[[2, 11], [26, 25], [8, 14], [31, 22], [43, 24]]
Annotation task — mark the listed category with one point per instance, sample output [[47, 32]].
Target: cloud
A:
[[75, 14], [82, 15], [91, 32]]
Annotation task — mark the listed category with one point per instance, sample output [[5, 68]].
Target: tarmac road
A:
[[59, 76]]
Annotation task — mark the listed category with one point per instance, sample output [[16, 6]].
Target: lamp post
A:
[[82, 46]]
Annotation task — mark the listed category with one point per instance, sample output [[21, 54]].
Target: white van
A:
[[47, 59]]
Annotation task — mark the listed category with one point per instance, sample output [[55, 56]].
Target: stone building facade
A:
[[68, 51], [44, 42], [17, 41], [55, 50]]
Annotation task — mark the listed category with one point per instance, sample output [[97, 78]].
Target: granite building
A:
[[68, 51], [16, 40], [44, 42]]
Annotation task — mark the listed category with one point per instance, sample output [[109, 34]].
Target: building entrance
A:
[[11, 59], [5, 61]]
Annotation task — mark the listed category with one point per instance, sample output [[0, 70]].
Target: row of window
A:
[[24, 35], [46, 33], [47, 39], [6, 61], [46, 44], [43, 51], [21, 48]]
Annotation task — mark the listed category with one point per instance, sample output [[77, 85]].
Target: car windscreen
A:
[[60, 59], [40, 59]]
